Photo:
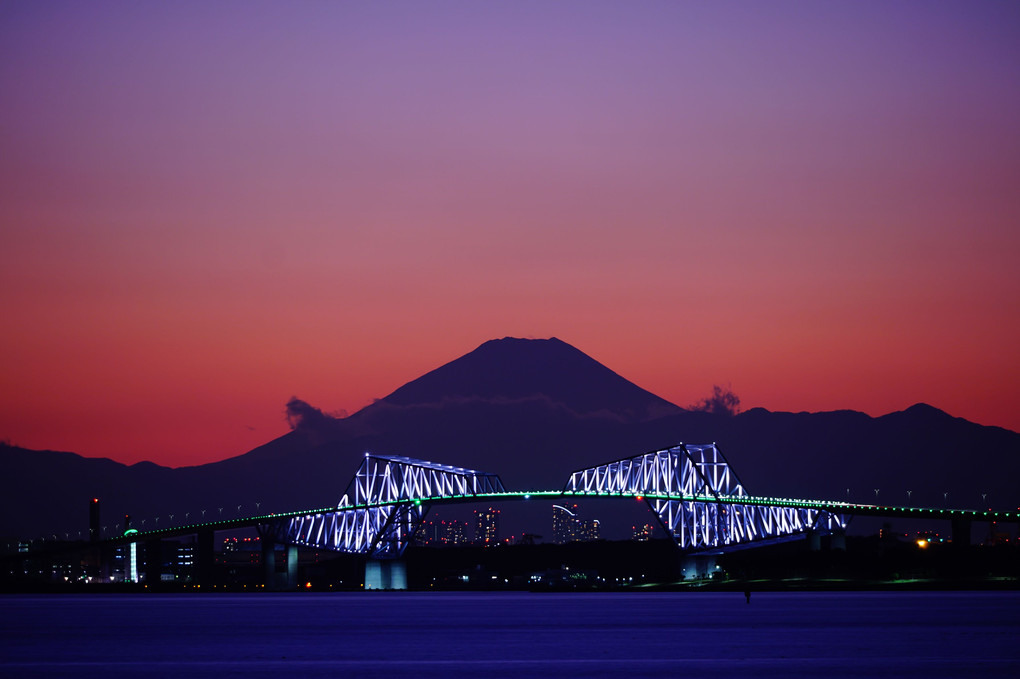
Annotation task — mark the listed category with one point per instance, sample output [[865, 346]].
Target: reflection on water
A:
[[384, 634]]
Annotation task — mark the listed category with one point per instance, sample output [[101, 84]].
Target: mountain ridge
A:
[[490, 411]]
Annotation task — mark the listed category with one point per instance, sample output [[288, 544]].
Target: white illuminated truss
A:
[[384, 505], [694, 493]]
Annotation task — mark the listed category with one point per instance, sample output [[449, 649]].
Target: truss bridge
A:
[[696, 496], [692, 490]]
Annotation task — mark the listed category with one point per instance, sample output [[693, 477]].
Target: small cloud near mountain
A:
[[301, 415], [722, 402]]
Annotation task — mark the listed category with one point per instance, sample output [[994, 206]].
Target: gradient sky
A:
[[207, 208]]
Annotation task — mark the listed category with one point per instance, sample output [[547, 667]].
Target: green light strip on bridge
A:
[[821, 505]]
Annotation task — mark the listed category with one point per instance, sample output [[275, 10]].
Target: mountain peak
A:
[[513, 368]]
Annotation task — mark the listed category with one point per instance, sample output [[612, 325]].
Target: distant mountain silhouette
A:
[[531, 411], [512, 369]]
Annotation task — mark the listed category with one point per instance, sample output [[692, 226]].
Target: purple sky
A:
[[206, 208]]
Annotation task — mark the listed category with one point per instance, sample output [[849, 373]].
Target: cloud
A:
[[303, 416], [722, 402]]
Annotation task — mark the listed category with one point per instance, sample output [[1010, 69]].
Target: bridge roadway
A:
[[835, 507]]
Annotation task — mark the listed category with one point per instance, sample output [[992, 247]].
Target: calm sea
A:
[[519, 635]]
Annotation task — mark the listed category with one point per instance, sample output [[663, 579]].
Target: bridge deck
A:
[[835, 507]]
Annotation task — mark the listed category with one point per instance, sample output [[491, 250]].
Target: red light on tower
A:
[[94, 519]]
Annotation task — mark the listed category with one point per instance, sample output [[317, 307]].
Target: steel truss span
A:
[[382, 507], [692, 489]]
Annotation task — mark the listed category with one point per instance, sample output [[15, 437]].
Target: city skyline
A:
[[207, 210]]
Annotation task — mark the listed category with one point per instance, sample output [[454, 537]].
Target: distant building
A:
[[125, 563], [643, 533], [929, 536], [441, 533], [487, 526], [563, 520], [569, 526], [240, 553], [185, 560]]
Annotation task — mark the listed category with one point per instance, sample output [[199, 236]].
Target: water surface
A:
[[406, 634]]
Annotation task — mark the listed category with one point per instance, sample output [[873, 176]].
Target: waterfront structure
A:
[[696, 496]]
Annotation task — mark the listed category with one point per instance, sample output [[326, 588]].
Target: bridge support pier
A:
[[388, 574], [697, 566], [153, 562], [274, 579], [268, 562], [205, 556], [814, 540], [290, 572], [960, 532], [837, 540]]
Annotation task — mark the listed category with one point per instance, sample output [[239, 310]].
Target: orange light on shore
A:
[[923, 544]]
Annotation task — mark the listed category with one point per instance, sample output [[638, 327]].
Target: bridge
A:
[[698, 500]]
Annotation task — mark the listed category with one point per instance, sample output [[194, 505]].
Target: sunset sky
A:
[[209, 207]]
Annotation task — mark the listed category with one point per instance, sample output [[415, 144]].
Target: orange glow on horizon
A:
[[203, 215]]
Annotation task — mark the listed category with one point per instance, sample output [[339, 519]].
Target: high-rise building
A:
[[453, 532], [569, 526], [563, 519], [487, 526]]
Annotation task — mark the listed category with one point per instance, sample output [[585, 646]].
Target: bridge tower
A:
[[699, 500], [379, 513]]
